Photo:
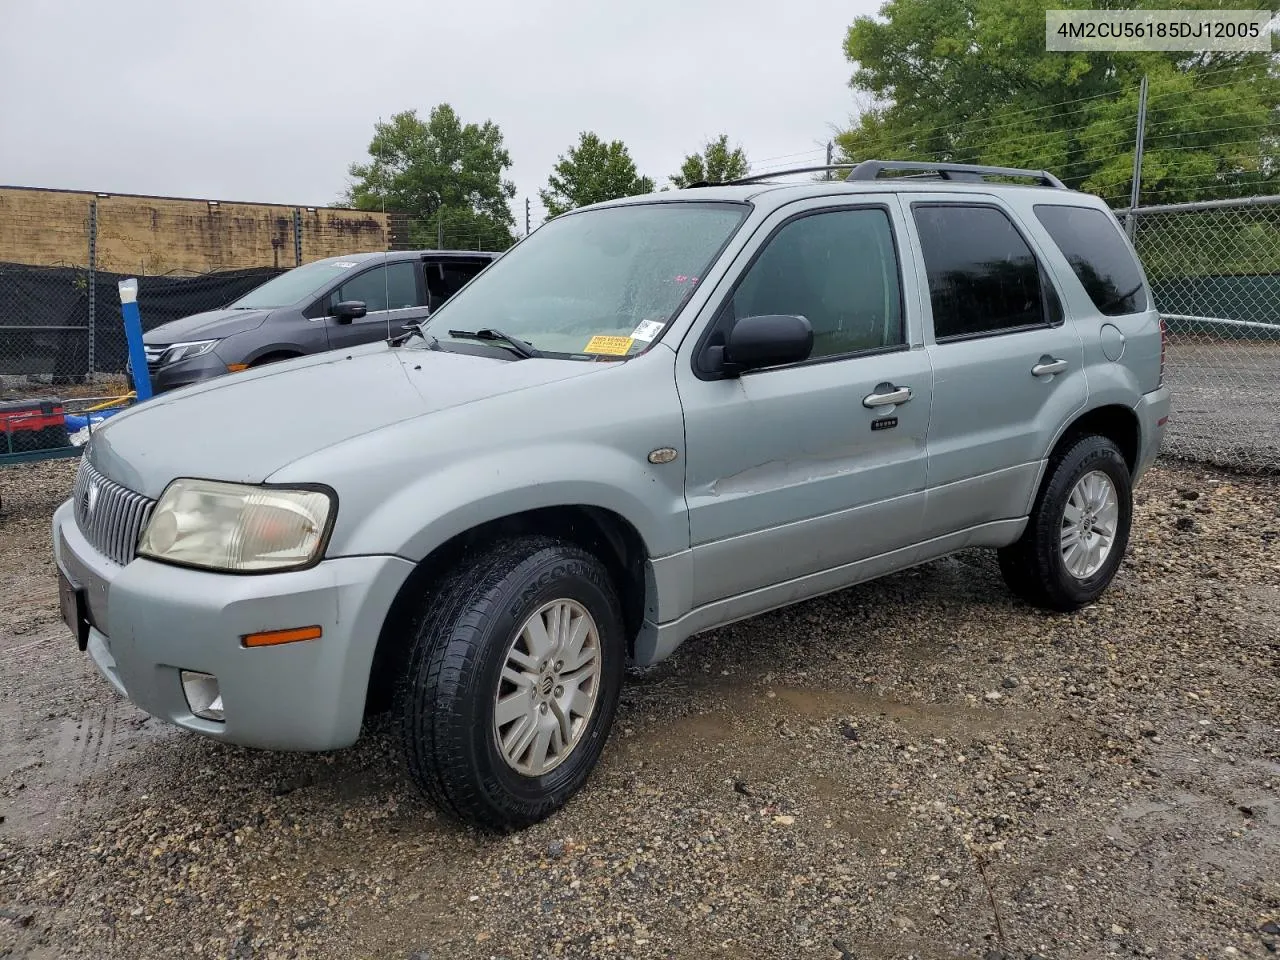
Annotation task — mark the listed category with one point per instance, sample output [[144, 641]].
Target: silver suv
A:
[[651, 417]]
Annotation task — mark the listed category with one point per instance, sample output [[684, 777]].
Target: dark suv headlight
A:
[[185, 351]]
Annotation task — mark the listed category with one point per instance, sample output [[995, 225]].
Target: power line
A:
[[1267, 129], [788, 156]]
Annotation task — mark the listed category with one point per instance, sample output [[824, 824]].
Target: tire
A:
[[1034, 567], [446, 701]]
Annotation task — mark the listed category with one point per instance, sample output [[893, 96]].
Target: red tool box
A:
[[32, 425]]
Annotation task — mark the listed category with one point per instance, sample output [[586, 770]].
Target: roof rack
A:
[[755, 177], [871, 170]]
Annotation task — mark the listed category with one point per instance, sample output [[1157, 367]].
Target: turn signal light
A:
[[271, 638]]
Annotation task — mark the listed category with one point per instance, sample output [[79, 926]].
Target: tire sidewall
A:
[[1100, 454], [549, 574]]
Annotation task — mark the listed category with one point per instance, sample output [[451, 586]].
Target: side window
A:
[[839, 270], [445, 278], [1091, 242], [369, 287], [402, 286], [983, 278]]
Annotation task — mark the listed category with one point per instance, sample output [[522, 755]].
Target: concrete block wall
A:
[[164, 235]]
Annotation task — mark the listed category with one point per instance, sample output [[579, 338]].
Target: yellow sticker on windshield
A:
[[613, 346]]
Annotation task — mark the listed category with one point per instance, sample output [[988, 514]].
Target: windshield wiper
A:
[[522, 347], [412, 328]]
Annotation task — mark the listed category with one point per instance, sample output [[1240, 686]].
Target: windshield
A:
[[598, 283], [293, 285]]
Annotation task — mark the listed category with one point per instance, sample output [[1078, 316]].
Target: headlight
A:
[[238, 528], [185, 351]]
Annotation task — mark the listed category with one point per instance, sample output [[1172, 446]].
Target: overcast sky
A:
[[271, 100]]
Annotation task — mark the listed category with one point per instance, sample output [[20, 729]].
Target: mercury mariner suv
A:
[[651, 417]]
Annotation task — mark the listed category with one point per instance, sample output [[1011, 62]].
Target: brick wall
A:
[[159, 235]]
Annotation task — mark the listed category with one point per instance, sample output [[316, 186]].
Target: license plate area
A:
[[75, 609]]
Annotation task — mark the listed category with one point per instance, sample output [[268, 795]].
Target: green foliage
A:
[[591, 172], [970, 81], [715, 164], [440, 171]]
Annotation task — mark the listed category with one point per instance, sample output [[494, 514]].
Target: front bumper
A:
[[152, 620], [1153, 417], [172, 376]]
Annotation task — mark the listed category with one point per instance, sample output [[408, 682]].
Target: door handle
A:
[[890, 395], [1048, 368]]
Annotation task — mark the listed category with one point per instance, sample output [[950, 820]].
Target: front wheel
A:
[[513, 682], [1078, 530]]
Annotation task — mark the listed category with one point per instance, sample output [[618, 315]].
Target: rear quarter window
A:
[[1099, 257]]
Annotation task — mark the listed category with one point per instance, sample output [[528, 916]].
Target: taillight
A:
[[1164, 340]]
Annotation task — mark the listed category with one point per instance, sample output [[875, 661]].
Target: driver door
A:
[[795, 474], [393, 294]]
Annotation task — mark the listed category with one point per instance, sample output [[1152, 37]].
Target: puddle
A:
[[41, 774]]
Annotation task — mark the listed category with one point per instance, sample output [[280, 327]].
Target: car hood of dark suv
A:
[[246, 426], [210, 325]]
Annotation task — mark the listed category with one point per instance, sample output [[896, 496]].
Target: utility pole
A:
[[440, 229], [526, 216], [1136, 188], [828, 158]]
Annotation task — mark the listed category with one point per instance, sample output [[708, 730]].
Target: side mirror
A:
[[348, 310], [766, 341]]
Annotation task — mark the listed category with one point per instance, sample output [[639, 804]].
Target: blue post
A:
[[133, 332]]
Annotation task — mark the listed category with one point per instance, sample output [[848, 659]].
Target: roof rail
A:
[[772, 173], [871, 170]]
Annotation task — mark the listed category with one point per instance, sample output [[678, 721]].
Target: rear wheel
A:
[[1078, 530], [512, 682]]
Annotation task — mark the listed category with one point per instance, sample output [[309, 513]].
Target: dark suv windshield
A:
[[294, 285], [601, 282]]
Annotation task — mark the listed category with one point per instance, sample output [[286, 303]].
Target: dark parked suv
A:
[[324, 305]]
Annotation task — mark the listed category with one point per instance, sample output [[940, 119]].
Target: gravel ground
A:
[[913, 768], [1226, 403]]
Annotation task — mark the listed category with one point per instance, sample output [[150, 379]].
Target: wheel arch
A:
[[274, 354], [601, 531], [1116, 422]]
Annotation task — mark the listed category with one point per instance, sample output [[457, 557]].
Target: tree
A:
[[592, 171], [445, 176], [971, 81], [715, 164]]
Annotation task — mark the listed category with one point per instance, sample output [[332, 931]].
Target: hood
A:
[[246, 426], [210, 325]]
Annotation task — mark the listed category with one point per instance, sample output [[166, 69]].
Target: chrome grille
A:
[[110, 516], [153, 355]]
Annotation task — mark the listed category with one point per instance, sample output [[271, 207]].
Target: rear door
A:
[[393, 294], [1008, 367]]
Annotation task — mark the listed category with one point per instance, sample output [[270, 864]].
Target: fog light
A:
[[203, 696]]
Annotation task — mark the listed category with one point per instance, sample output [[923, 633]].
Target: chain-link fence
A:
[[1214, 269], [62, 255]]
